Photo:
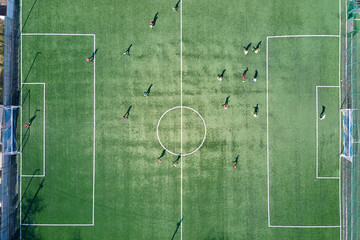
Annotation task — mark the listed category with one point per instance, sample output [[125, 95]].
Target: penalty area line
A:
[[58, 225], [304, 226], [294, 36], [57, 34]]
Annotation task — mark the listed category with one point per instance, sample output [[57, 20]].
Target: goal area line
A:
[[21, 123], [44, 135], [317, 132]]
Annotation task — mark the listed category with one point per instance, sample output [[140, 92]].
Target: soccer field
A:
[[87, 173]]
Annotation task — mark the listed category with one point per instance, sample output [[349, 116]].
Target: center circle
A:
[[181, 107]]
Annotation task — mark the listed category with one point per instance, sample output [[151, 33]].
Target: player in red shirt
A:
[[236, 161], [244, 74], [226, 103], [257, 48]]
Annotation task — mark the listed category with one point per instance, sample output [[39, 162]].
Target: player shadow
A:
[[222, 73], [148, 91], [32, 64], [27, 95], [236, 159], [32, 205], [256, 109], [177, 5], [128, 49], [155, 18], [33, 117], [128, 112], [23, 26], [257, 46], [323, 110], [162, 154], [177, 228], [247, 47], [25, 139], [227, 100], [244, 73], [24, 194]]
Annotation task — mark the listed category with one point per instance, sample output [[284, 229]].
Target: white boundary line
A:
[[21, 77], [21, 97], [340, 118], [317, 132], [44, 103], [267, 129], [181, 139]]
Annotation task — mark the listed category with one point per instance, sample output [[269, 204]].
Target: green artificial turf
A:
[[135, 196]]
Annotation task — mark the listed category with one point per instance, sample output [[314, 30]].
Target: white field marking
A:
[[162, 145], [340, 117], [267, 128], [21, 77], [181, 138], [57, 34], [305, 226], [267, 134], [93, 205], [345, 74], [58, 225], [44, 103], [33, 83], [33, 175], [328, 178], [292, 36], [317, 131]]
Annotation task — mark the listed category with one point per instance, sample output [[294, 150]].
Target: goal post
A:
[[348, 139], [9, 130]]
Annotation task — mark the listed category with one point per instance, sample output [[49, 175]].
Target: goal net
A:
[[347, 134], [9, 130]]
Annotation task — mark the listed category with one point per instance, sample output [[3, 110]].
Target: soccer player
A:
[[153, 21], [244, 74], [322, 114], [126, 115], [175, 163], [255, 76], [257, 48], [220, 76], [27, 125], [175, 9], [146, 94], [256, 111], [236, 161], [225, 105], [127, 52], [162, 154], [246, 49], [90, 59]]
